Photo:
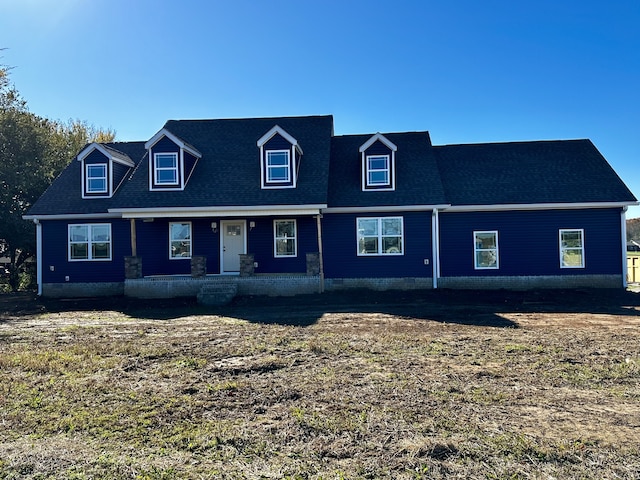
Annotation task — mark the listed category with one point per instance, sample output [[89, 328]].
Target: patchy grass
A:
[[426, 388]]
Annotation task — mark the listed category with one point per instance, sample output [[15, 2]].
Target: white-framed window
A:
[[96, 176], [90, 242], [278, 166], [285, 238], [378, 171], [166, 168], [571, 248], [180, 240], [380, 236], [485, 250]]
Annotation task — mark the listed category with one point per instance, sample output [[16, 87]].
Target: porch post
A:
[[320, 260], [134, 240]]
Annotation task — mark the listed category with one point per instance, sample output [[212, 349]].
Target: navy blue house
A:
[[284, 206]]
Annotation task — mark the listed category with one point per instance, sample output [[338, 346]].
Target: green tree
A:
[[33, 151], [633, 229]]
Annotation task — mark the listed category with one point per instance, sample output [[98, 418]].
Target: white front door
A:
[[234, 242]]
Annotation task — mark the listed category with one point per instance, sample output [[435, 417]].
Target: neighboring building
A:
[[282, 206], [633, 246]]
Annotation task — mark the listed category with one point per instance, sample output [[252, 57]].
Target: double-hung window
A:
[[278, 166], [285, 238], [378, 169], [180, 240], [572, 248], [89, 242], [380, 236], [97, 178], [485, 250], [166, 168]]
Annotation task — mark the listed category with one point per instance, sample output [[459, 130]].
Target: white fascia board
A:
[[96, 146], [178, 141], [385, 208], [72, 216], [215, 211], [278, 129], [382, 138], [536, 206]]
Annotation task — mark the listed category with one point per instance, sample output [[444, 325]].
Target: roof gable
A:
[[109, 152], [175, 139], [378, 137], [280, 131]]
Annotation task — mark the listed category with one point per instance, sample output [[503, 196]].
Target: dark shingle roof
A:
[[567, 171], [417, 179], [64, 195], [228, 174]]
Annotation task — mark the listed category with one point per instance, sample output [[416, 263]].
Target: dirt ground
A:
[[360, 384]]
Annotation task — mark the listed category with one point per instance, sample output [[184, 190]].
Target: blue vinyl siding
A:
[[260, 244], [95, 158], [340, 248], [378, 148], [55, 249], [189, 164], [529, 243], [278, 142], [119, 173], [164, 145], [153, 246]]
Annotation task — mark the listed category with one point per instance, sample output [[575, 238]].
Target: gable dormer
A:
[[103, 170], [378, 164], [279, 159], [171, 161]]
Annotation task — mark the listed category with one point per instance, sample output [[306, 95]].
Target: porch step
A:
[[217, 293]]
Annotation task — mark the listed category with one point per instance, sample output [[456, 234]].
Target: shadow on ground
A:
[[468, 307]]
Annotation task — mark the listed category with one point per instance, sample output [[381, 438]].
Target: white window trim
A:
[[289, 167], [380, 237], [276, 238], [476, 250], [105, 168], [156, 182], [172, 257], [379, 187], [387, 169], [89, 242], [562, 249]]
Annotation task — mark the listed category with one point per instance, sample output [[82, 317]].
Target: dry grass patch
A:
[[353, 395]]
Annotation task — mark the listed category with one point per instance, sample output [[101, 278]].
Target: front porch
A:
[[173, 286]]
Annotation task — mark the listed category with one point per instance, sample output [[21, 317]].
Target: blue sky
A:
[[465, 70]]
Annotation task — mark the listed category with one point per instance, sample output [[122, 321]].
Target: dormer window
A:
[[378, 164], [97, 178], [103, 170], [166, 168], [278, 166], [171, 161], [378, 171], [279, 159]]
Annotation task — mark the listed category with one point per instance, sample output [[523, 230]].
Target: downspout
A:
[[320, 259], [39, 258], [435, 247], [623, 231]]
